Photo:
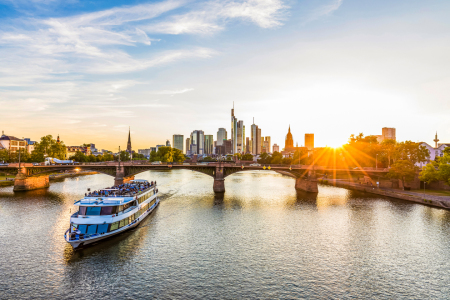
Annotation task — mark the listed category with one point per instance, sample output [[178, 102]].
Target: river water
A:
[[260, 240]]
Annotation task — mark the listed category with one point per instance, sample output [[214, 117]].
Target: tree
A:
[[167, 154], [277, 158], [247, 157], [48, 147], [108, 157], [79, 157], [264, 158], [412, 152], [403, 170], [286, 161], [124, 156], [4, 155], [154, 156], [388, 148], [429, 174], [137, 156]]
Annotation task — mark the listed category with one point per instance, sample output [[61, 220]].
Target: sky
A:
[[89, 70]]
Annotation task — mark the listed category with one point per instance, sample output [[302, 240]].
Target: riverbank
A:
[[427, 198], [52, 177]]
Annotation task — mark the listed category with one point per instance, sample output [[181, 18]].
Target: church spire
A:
[[129, 140]]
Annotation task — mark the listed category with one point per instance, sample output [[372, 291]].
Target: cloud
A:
[[167, 92], [325, 10], [213, 15]]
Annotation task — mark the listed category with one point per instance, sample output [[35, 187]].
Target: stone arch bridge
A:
[[36, 176]]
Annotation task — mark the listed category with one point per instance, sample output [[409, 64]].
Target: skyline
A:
[[334, 68]]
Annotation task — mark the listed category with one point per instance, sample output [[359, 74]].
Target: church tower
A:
[[129, 141], [289, 143]]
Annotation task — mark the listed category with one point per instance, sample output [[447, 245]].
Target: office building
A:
[[276, 148], [221, 136], [233, 131], [228, 147], [258, 141], [168, 143], [145, 152], [152, 149], [388, 133], [188, 143], [266, 144], [177, 142], [247, 145], [159, 146], [209, 144], [240, 144], [289, 141], [309, 141], [254, 136], [197, 142]]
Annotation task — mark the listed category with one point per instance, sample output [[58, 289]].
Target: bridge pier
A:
[[22, 182], [219, 179], [307, 184], [219, 185]]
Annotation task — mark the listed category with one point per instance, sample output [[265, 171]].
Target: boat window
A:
[[91, 229], [93, 211], [114, 226], [107, 210], [136, 215], [120, 208], [126, 220], [82, 228], [122, 223], [82, 210], [102, 228]]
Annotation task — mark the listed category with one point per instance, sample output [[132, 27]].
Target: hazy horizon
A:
[[89, 70]]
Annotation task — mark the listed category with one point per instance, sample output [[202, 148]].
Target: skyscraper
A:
[[177, 141], [258, 140], [247, 145], [233, 131], [267, 143], [276, 148], [240, 143], [221, 135], [289, 142], [188, 143], [254, 136], [309, 141], [197, 142], [209, 142]]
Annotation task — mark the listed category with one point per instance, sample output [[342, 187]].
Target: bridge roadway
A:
[[33, 177]]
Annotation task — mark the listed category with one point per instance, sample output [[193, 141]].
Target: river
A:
[[260, 240]]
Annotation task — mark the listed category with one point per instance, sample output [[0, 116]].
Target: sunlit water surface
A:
[[260, 240]]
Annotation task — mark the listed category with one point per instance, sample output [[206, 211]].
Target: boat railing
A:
[[75, 214]]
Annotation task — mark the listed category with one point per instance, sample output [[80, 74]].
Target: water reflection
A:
[[259, 239]]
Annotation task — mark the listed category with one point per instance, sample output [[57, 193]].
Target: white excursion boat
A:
[[111, 211]]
